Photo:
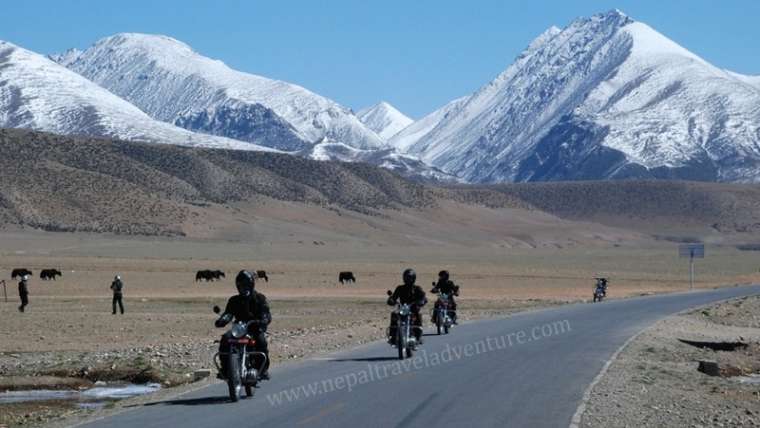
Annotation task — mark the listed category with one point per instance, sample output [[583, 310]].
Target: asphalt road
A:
[[529, 370]]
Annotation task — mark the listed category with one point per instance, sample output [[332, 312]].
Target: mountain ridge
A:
[[36, 93], [605, 89], [167, 79]]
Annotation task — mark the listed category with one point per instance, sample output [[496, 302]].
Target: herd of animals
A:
[[216, 275], [45, 274], [201, 275]]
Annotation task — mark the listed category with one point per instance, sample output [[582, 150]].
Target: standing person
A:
[[23, 292], [117, 286]]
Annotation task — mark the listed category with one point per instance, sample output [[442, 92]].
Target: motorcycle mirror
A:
[[390, 293], [216, 309]]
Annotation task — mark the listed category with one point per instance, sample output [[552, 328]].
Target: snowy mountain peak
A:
[[169, 81], [384, 119], [39, 94], [605, 97]]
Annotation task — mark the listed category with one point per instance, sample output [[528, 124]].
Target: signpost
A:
[[5, 292], [692, 251]]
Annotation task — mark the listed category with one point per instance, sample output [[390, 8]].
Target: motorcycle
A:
[[600, 290], [243, 365], [442, 315], [405, 339]]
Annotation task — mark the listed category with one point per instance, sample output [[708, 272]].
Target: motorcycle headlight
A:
[[239, 330]]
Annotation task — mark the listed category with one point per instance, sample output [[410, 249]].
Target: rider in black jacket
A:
[[247, 305], [411, 294], [445, 285]]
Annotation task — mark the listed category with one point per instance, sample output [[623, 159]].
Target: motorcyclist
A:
[[601, 285], [410, 294], [247, 305], [445, 285]]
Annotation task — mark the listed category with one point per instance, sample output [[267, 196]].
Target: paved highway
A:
[[529, 370]]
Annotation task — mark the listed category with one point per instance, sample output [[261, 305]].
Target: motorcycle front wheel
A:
[[233, 377], [401, 345]]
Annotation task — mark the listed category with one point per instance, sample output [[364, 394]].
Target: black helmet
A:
[[444, 275], [409, 277], [245, 283]]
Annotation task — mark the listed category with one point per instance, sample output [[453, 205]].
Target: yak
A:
[[20, 273], [46, 274], [209, 275], [344, 277], [262, 274]]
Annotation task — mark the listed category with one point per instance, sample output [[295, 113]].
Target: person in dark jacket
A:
[[117, 286], [247, 305], [23, 292], [447, 286], [411, 294]]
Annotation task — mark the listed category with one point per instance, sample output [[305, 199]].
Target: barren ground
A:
[[167, 332], [655, 382]]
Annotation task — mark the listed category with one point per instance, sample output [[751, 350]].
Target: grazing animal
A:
[[202, 275], [20, 272], [344, 277], [209, 275], [262, 274], [46, 274]]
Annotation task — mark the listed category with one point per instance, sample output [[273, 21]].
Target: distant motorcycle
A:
[[600, 290], [442, 315], [405, 339], [243, 365]]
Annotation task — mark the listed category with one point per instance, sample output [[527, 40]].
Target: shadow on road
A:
[[366, 360], [187, 402]]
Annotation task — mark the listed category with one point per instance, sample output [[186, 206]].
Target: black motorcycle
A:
[[406, 333], [600, 290], [243, 365]]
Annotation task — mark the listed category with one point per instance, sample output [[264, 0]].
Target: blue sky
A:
[[415, 54]]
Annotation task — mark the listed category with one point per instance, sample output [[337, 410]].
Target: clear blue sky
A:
[[415, 54]]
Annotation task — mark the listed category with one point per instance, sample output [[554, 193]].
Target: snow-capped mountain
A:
[[406, 138], [36, 93], [388, 158], [172, 83], [605, 97], [384, 119]]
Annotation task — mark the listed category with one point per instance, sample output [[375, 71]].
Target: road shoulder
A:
[[654, 381]]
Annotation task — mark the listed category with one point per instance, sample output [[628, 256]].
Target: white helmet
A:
[[25, 278], [117, 278]]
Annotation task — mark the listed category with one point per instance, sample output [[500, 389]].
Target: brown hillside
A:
[[63, 183]]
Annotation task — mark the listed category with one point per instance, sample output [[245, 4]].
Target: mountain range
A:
[[606, 97], [38, 94]]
